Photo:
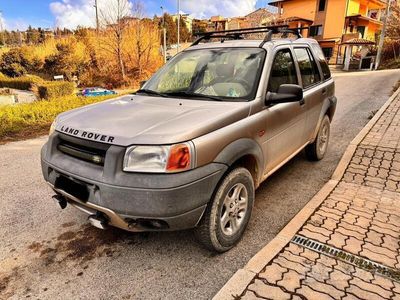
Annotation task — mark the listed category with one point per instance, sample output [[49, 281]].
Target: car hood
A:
[[147, 120]]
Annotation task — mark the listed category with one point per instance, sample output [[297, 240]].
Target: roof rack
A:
[[237, 34]]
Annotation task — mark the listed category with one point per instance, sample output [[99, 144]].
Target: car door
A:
[[312, 88], [285, 122]]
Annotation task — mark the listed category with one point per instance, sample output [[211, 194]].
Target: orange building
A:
[[334, 23]]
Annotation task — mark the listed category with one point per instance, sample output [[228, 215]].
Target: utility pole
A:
[[383, 33], [179, 26], [164, 36], [97, 16], [2, 29]]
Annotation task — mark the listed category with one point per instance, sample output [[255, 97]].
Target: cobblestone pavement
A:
[[360, 218]]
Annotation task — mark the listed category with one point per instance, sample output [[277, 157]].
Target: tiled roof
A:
[[358, 41]]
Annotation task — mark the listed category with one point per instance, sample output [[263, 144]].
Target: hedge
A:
[[19, 83], [28, 118], [55, 89]]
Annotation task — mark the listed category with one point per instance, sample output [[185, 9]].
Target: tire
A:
[[232, 204], [317, 150]]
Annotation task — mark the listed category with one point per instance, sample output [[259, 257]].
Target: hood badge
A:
[[87, 135]]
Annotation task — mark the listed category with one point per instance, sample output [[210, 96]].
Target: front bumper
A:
[[131, 200]]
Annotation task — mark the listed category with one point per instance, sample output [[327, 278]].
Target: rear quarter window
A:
[[326, 72]]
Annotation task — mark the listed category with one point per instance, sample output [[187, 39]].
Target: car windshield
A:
[[218, 74]]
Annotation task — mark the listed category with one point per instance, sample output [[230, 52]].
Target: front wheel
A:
[[317, 150], [228, 214]]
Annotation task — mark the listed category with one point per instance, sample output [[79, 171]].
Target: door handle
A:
[[302, 102], [324, 91]]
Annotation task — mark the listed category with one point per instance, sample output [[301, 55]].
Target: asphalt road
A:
[[47, 253]]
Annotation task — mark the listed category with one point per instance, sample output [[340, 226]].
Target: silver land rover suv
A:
[[191, 146]]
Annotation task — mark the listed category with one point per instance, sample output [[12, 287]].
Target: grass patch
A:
[[29, 120]]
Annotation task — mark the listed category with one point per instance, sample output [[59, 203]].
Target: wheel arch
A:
[[246, 153], [329, 109]]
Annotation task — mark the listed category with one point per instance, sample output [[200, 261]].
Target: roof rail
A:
[[237, 34]]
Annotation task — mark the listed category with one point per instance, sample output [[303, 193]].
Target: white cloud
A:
[[12, 24], [226, 8], [70, 14], [2, 22], [73, 13]]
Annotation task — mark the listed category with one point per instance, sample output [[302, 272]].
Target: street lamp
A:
[[164, 36]]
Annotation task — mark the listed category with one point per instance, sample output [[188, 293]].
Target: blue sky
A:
[[18, 14]]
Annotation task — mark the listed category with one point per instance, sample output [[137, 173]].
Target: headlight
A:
[[159, 159], [53, 126]]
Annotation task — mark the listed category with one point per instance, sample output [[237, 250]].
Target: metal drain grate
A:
[[347, 257]]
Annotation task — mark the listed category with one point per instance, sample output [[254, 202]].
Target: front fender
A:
[[240, 148]]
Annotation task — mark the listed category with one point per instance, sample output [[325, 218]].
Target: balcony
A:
[[374, 4], [360, 19]]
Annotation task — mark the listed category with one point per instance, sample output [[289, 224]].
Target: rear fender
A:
[[329, 109]]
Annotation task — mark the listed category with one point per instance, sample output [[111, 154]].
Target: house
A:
[[336, 24]]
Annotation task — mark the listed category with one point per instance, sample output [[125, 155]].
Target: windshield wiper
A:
[[151, 92], [193, 95]]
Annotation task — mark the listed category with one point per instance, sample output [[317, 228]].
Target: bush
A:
[[15, 63], [390, 64], [31, 119], [55, 89], [19, 83]]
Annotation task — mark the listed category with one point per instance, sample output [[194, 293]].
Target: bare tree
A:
[[143, 42], [393, 26], [115, 18]]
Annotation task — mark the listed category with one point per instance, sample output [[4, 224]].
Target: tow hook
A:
[[60, 200], [98, 221]]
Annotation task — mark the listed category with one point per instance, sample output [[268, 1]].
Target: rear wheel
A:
[[317, 150], [228, 214]]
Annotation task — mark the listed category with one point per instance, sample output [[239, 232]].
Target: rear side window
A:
[[308, 67], [321, 58], [283, 71]]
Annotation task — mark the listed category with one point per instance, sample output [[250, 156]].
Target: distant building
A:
[[238, 23], [199, 25], [253, 19], [217, 23], [259, 17], [186, 19]]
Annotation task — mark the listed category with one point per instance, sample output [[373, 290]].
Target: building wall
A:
[[301, 8], [371, 31], [335, 17], [354, 7]]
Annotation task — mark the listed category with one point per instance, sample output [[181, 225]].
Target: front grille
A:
[[92, 155]]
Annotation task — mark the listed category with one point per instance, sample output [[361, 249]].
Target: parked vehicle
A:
[[196, 141], [96, 91]]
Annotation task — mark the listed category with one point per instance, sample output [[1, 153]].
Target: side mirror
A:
[[142, 83], [286, 93]]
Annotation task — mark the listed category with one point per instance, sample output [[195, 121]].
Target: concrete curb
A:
[[241, 279]]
